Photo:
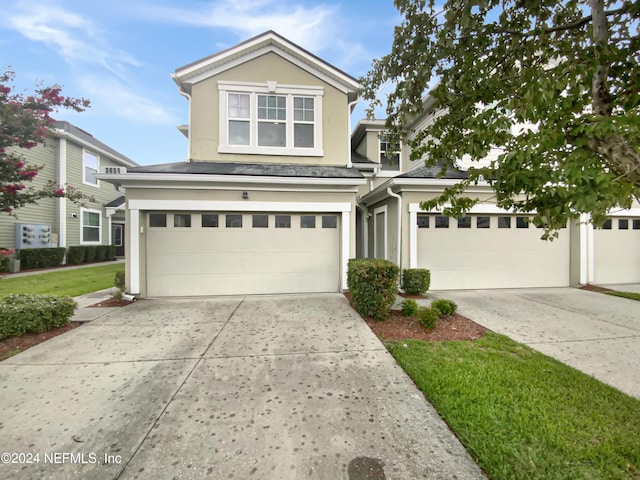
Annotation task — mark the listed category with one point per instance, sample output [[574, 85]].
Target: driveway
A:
[[265, 387], [595, 333]]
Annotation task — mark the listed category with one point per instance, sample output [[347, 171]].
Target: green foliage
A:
[[76, 254], [111, 253], [4, 264], [428, 317], [101, 253], [416, 281], [444, 307], [90, 253], [24, 313], [120, 284], [521, 414], [410, 307], [544, 86], [41, 257], [373, 286]]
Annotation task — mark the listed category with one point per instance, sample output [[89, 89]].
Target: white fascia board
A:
[[488, 208], [631, 212], [238, 206], [160, 178], [92, 147]]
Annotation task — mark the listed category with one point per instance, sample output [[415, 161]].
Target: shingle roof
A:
[[434, 172], [115, 203], [249, 169], [357, 158]]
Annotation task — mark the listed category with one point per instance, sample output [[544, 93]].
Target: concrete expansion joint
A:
[[110, 362], [583, 340], [296, 354]]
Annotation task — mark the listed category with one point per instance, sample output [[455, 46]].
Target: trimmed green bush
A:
[[416, 281], [444, 306], [4, 264], [41, 257], [373, 286], [101, 253], [428, 317], [111, 253], [75, 255], [24, 313], [410, 308], [90, 253]]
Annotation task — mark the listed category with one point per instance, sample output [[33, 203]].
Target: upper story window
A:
[[270, 119], [389, 154], [89, 167]]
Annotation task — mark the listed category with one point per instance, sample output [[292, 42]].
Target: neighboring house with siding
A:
[[72, 156], [277, 194]]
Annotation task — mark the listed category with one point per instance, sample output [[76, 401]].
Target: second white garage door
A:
[[241, 253], [490, 252]]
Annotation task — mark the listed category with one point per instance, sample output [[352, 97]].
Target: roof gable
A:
[[255, 47]]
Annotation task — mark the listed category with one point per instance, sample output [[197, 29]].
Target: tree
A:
[[553, 85], [25, 121]]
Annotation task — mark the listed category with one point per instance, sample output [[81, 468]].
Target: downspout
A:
[[188, 97], [365, 225], [350, 106], [399, 213], [62, 201]]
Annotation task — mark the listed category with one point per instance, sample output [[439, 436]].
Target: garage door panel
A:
[[617, 254], [493, 257], [246, 260]]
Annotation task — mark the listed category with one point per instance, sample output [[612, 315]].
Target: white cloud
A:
[[72, 36], [113, 96]]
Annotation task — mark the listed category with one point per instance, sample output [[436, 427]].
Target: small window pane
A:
[[483, 222], [238, 132], [423, 221], [623, 224], [607, 224], [234, 221], [504, 222], [522, 222], [283, 221], [442, 221], [209, 220], [90, 234], [90, 167], [308, 221], [636, 224], [157, 220], [272, 134], [260, 221], [392, 163], [303, 135], [329, 221], [182, 220], [464, 222]]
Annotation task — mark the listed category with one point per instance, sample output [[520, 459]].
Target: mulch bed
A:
[[595, 288], [30, 339], [111, 302]]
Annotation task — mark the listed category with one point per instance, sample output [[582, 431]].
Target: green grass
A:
[[521, 414], [629, 295], [63, 282]]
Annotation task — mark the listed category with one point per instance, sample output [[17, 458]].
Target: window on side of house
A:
[[283, 221], [522, 222], [158, 220], [389, 154], [182, 220], [260, 221], [90, 226], [303, 122], [607, 224], [329, 221], [636, 224], [239, 116], [90, 166], [423, 220]]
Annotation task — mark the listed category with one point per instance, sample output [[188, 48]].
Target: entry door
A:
[[117, 237]]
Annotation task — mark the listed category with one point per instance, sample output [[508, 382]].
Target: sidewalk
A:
[[57, 269], [85, 313]]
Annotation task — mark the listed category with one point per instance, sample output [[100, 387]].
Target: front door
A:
[[117, 237]]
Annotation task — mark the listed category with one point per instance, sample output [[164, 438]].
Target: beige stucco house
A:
[[70, 155], [276, 195]]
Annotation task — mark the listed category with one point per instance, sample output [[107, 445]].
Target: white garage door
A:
[[617, 251], [480, 251], [241, 253]]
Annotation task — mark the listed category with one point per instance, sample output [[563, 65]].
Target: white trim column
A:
[[413, 234], [134, 252], [584, 248], [591, 259], [345, 245], [62, 201]]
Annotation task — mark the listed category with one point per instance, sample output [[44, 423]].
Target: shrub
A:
[[4, 264], [373, 286], [41, 257], [24, 313], [75, 255], [101, 253], [428, 317], [445, 307], [111, 252], [90, 253], [416, 280], [410, 307]]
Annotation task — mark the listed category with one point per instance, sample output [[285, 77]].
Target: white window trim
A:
[[388, 173], [97, 184], [89, 210], [269, 88]]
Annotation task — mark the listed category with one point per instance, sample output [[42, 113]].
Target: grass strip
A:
[[629, 295], [63, 282], [521, 414]]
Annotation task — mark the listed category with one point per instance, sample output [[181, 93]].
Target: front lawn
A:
[[63, 282], [521, 414], [629, 295]]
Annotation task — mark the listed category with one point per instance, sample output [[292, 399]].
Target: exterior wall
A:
[[269, 67]]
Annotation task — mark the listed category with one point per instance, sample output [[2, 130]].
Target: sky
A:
[[120, 53]]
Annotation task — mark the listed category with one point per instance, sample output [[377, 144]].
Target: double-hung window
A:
[[89, 167], [389, 154], [270, 119]]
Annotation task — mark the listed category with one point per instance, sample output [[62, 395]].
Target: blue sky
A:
[[120, 53]]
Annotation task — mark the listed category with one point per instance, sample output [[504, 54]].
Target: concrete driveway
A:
[[270, 387], [595, 333]]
